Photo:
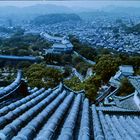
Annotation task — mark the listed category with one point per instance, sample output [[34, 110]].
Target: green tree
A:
[[138, 72], [82, 68], [74, 83], [66, 59], [88, 52], [41, 76], [67, 71], [126, 88], [76, 60], [107, 66], [91, 86]]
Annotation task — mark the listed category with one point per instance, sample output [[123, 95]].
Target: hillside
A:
[[55, 18], [122, 10], [33, 10], [133, 29], [18, 14]]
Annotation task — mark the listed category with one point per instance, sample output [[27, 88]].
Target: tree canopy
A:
[[107, 66], [40, 76], [126, 88]]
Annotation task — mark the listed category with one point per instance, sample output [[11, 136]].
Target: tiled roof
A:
[[9, 89], [126, 69], [128, 103], [62, 114], [47, 114], [116, 124], [135, 80], [18, 58]]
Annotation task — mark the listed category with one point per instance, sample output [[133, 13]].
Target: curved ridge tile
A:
[[69, 125]]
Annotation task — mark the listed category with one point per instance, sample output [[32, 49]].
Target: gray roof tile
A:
[[63, 114]]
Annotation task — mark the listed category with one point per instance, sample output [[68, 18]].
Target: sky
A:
[[84, 3]]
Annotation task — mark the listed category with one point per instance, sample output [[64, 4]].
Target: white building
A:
[[51, 38], [61, 44], [124, 71], [59, 48]]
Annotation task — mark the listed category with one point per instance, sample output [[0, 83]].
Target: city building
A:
[[59, 49], [124, 71], [51, 38], [60, 44]]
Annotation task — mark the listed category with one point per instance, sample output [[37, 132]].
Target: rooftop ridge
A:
[[76, 92], [19, 58], [12, 87], [121, 110], [62, 113]]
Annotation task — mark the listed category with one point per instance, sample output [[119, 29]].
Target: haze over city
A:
[[88, 4]]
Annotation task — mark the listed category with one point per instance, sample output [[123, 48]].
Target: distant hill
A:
[[33, 10], [92, 15], [111, 12], [55, 18], [18, 14], [133, 29], [25, 14], [123, 10]]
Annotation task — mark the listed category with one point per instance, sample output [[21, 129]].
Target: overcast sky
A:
[[83, 3]]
